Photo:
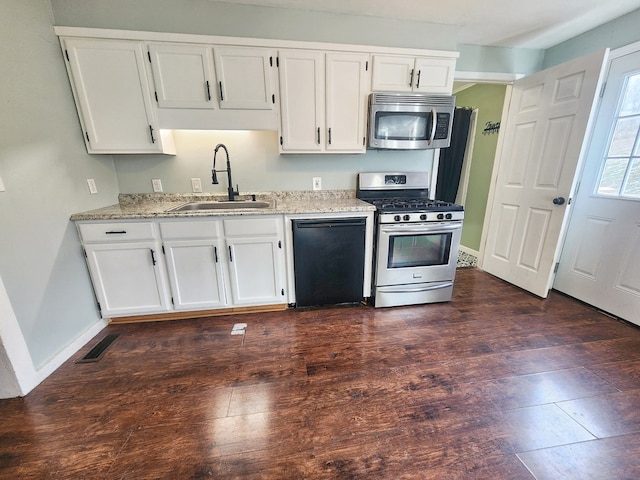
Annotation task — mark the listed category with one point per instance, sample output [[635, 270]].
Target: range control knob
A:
[[448, 216], [440, 216], [397, 218], [406, 218], [423, 216]]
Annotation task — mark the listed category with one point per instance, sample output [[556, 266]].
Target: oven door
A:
[[417, 253]]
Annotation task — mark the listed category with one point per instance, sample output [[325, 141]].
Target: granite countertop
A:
[[157, 205]]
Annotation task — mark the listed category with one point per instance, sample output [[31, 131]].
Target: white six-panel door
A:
[[600, 261], [543, 143]]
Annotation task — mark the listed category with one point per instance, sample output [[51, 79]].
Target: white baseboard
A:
[[64, 355], [469, 251]]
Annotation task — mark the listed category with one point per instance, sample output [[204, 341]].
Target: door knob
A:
[[558, 201]]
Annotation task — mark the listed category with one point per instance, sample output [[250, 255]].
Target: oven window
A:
[[402, 126], [419, 250]]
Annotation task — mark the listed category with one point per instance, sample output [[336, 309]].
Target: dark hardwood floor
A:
[[496, 384]]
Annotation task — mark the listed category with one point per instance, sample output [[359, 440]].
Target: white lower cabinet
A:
[[126, 268], [256, 260], [195, 274], [144, 267], [192, 250]]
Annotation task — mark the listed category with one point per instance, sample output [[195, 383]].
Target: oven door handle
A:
[[420, 229], [404, 289]]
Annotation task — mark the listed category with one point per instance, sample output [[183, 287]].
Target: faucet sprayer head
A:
[[214, 177]]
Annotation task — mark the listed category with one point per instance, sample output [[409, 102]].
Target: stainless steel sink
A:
[[222, 205]]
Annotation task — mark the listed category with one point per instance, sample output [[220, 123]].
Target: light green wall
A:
[[488, 99], [255, 164], [44, 167], [616, 33], [476, 58]]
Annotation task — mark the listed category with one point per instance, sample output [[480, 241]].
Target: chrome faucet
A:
[[214, 176]]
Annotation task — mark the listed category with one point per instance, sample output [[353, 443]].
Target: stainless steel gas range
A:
[[417, 239]]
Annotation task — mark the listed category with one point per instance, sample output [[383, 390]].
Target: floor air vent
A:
[[99, 349]]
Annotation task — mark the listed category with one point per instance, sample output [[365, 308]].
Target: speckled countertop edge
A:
[[156, 205]]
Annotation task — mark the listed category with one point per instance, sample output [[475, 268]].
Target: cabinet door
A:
[[255, 266], [347, 85], [111, 87], [195, 275], [183, 75], [301, 101], [128, 278], [393, 73], [435, 75], [244, 78]]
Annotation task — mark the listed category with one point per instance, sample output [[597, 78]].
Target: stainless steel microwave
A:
[[410, 121]]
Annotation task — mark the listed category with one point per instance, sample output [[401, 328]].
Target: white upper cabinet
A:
[[110, 84], [323, 101], [301, 100], [245, 78], [347, 86], [393, 73], [183, 75]]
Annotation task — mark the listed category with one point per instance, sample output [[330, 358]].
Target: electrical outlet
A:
[[317, 183], [91, 183], [157, 185], [1, 186], [196, 185]]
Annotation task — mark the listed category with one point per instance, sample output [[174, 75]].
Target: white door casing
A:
[[543, 143], [600, 261]]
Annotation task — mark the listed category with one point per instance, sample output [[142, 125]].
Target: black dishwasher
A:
[[328, 259]]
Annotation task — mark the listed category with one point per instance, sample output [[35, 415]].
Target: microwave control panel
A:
[[442, 126]]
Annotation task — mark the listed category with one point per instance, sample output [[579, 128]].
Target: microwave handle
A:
[[433, 126]]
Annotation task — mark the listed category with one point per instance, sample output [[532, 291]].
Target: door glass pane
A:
[[631, 100], [621, 171], [632, 187], [612, 176], [624, 137], [419, 250]]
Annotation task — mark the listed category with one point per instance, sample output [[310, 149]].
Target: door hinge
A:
[[282, 292], [99, 308], [279, 244], [66, 54], [149, 55], [604, 86], [555, 268]]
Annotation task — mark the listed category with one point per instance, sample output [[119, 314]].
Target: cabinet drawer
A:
[[190, 229], [116, 231], [251, 226]]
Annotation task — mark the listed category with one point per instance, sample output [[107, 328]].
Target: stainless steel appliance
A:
[[410, 121], [417, 239]]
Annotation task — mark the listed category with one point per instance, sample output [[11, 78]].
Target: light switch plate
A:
[[91, 183], [196, 185], [317, 183], [157, 185]]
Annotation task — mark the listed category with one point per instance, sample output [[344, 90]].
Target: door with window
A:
[[600, 261]]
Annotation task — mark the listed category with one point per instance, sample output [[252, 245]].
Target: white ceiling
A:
[[505, 23]]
